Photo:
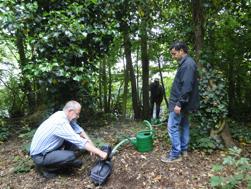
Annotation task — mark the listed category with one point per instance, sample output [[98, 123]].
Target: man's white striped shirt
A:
[[51, 134]]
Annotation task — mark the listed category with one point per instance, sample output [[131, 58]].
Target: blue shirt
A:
[[76, 127], [51, 134]]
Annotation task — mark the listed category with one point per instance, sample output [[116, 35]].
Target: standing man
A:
[[184, 98], [55, 142], [157, 93]]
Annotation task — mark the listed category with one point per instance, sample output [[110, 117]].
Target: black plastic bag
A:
[[102, 169]]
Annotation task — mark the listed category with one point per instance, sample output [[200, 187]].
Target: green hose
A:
[[125, 141]]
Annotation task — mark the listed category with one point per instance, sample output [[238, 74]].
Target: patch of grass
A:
[[23, 164], [26, 134], [99, 142]]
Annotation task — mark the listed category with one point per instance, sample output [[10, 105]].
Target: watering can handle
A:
[[150, 131], [148, 124]]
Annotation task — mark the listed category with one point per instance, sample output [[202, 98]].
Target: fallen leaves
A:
[[131, 169]]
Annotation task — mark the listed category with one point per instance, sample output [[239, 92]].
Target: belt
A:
[[40, 154]]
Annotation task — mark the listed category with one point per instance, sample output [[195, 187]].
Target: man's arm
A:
[[84, 135], [76, 127], [79, 130], [66, 132]]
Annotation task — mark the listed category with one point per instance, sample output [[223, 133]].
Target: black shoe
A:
[[48, 175], [77, 163], [45, 173]]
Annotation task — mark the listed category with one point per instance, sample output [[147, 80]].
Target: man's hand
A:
[[177, 109], [103, 155]]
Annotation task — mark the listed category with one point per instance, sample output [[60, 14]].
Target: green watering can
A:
[[143, 141]]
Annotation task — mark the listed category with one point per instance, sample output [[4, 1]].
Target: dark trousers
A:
[[60, 159], [157, 108]]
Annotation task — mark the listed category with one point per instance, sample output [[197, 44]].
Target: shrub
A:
[[4, 133], [23, 164], [201, 140], [237, 171], [213, 99]]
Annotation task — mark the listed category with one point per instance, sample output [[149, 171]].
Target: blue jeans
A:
[[178, 130]]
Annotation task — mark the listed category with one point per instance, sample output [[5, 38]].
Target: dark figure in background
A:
[[157, 94]]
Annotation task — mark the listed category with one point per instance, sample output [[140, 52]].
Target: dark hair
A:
[[179, 45]]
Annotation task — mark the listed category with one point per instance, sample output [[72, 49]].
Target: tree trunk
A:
[[109, 88], [145, 71], [138, 74], [231, 90], [162, 83], [125, 95], [222, 132], [198, 20], [127, 46], [116, 106], [226, 136], [104, 83], [27, 86], [100, 86]]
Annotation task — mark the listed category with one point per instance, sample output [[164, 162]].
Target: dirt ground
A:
[[131, 169]]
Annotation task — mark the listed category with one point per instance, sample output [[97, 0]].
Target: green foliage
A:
[[63, 41], [201, 140], [227, 47], [236, 168], [213, 101], [23, 164], [14, 97], [4, 133], [240, 132], [63, 44], [26, 134], [3, 105], [99, 142]]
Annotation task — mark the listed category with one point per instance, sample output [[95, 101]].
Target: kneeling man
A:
[[55, 142]]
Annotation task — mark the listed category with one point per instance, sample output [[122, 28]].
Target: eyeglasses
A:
[[77, 113]]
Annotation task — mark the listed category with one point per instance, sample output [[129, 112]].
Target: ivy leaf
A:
[[215, 181], [217, 168], [77, 78], [94, 1]]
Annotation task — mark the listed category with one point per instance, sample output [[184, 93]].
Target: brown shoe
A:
[[166, 159]]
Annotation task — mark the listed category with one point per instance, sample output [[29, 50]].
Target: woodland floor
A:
[[131, 169]]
